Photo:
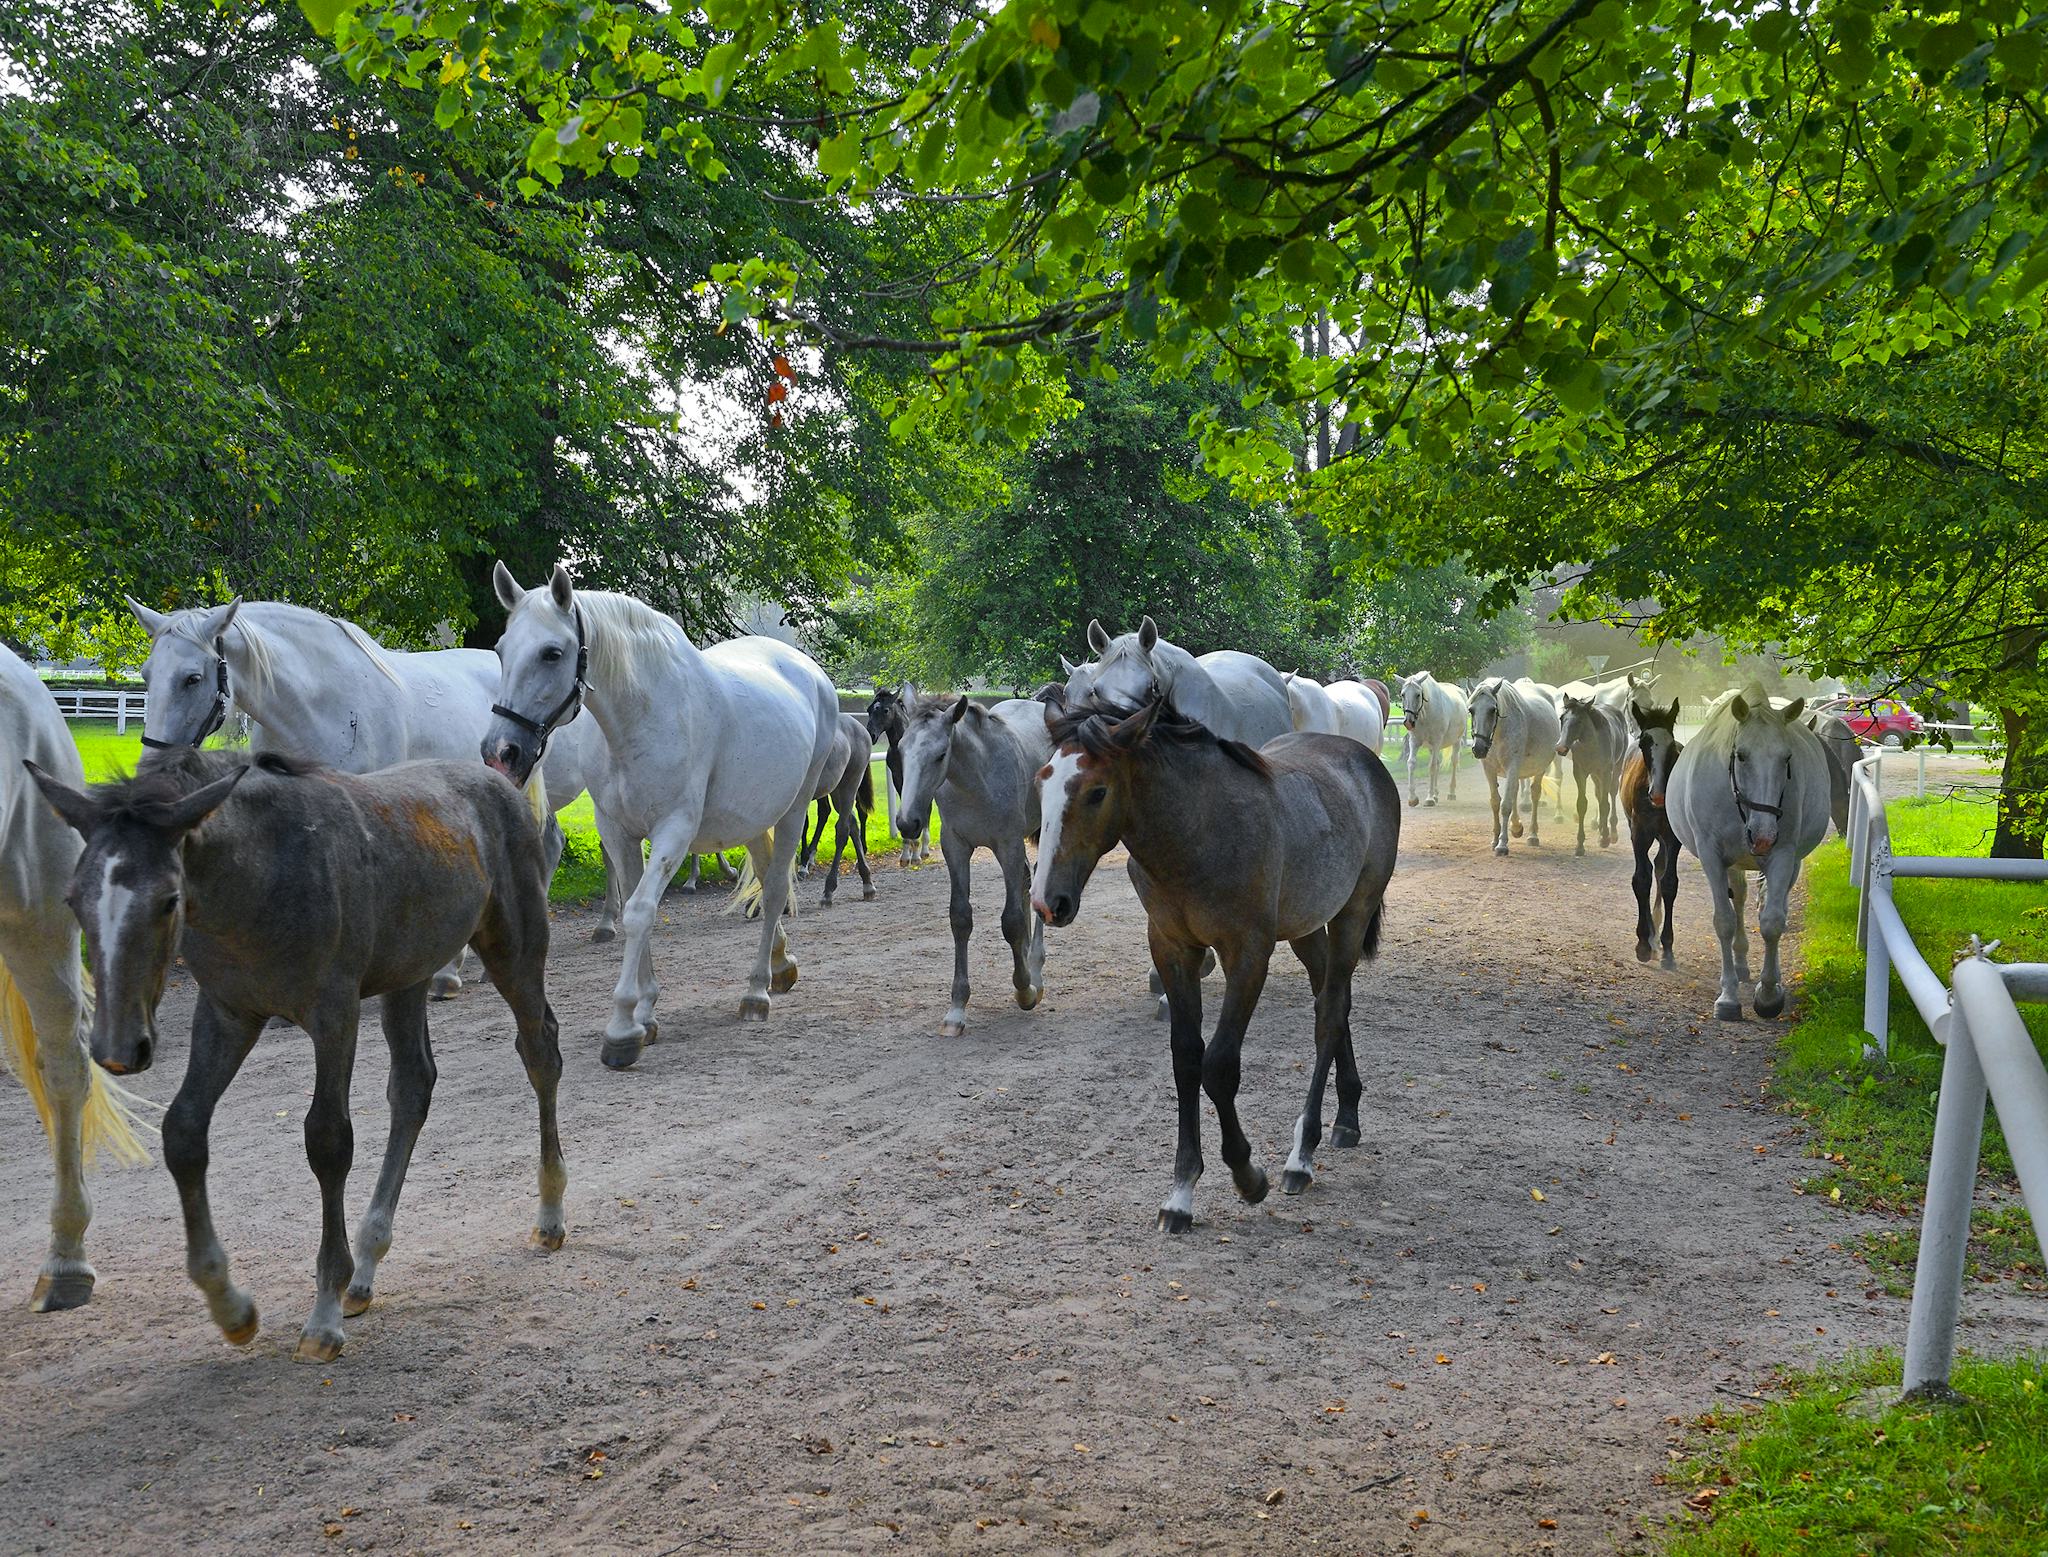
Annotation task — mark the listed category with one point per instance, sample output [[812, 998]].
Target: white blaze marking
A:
[[1055, 794], [113, 907]]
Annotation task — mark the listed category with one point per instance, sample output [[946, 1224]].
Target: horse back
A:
[[1336, 813]]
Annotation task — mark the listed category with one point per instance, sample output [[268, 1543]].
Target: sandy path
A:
[[835, 1284]]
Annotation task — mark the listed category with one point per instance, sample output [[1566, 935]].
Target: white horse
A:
[[1238, 697], [322, 689], [1433, 715], [1556, 695], [45, 1010], [710, 748], [1514, 736], [1750, 792], [1360, 714]]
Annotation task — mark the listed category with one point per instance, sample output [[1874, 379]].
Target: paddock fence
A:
[[119, 704], [1988, 1056]]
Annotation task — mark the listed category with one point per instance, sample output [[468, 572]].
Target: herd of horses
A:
[[1253, 807]]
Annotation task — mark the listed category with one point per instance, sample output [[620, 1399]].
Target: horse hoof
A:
[[243, 1333], [1343, 1135], [1295, 1180], [1771, 1007], [68, 1289], [867, 894], [1174, 1220], [783, 980], [1580, 851], [621, 1053], [1728, 1010], [602, 934], [1253, 1186], [1645, 951], [549, 1238], [1501, 850], [1159, 1009], [1432, 800], [952, 1029], [315, 1347], [1413, 801], [754, 1008], [354, 1302], [1029, 996], [1669, 963], [446, 986]]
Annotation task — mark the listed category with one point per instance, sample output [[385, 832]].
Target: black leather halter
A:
[[216, 716], [1743, 804], [567, 709]]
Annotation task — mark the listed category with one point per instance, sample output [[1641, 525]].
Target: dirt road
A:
[[835, 1284]]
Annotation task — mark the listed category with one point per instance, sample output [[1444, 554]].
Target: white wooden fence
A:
[[116, 703], [1990, 1056]]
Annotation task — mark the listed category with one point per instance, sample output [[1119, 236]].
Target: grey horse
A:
[[1514, 736], [1596, 737], [1750, 793], [1432, 720], [846, 790], [1236, 850], [297, 891], [1238, 696], [977, 764]]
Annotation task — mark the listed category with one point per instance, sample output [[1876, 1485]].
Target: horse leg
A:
[[1667, 874], [330, 1150], [860, 854], [221, 1040], [46, 970], [842, 815], [1410, 754], [1580, 775], [815, 817], [1536, 806], [774, 969], [409, 1090], [1178, 968], [607, 927], [514, 946], [1640, 839], [1494, 792], [1244, 976], [1299, 1173], [1021, 927], [960, 910], [632, 1025], [1738, 893], [1770, 923], [1453, 765], [1727, 930], [1511, 807], [1436, 758], [1557, 780]]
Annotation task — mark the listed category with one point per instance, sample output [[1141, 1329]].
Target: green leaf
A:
[[324, 13], [840, 155]]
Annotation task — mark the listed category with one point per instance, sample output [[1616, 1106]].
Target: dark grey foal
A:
[[300, 892]]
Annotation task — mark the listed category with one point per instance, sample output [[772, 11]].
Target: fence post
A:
[[1920, 789], [1877, 952], [1945, 1224]]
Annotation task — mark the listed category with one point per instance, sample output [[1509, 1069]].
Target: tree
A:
[[1441, 619]]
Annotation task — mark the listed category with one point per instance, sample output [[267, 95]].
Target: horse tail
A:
[[749, 890], [864, 797], [1372, 932], [113, 1115]]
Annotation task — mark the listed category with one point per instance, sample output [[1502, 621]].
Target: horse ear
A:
[[1052, 718], [506, 586], [1098, 640], [218, 620], [1797, 707], [1148, 634], [909, 694], [1068, 666], [1133, 729], [1740, 705], [1673, 714], [959, 709], [559, 586], [153, 622], [187, 812], [78, 809]]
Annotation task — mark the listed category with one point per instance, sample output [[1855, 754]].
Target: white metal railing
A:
[[115, 703], [1990, 1055]]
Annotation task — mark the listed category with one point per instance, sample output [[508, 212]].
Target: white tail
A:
[[747, 892], [113, 1115]]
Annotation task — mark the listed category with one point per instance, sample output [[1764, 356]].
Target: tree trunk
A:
[[2023, 795]]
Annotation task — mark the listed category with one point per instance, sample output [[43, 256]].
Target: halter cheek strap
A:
[[216, 716], [570, 705]]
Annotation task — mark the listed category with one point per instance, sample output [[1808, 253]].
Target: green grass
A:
[[580, 878], [1829, 1469]]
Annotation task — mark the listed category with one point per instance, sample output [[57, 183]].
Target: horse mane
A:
[[175, 772], [1053, 694], [932, 705], [626, 635], [1092, 725], [259, 644]]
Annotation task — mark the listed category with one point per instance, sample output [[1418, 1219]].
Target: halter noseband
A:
[[1743, 804], [568, 708], [216, 716]]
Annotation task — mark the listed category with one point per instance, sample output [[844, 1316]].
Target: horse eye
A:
[[170, 904], [551, 653], [1095, 796], [194, 679]]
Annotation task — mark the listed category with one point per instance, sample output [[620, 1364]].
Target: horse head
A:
[[1081, 800], [1124, 672], [1485, 710], [1760, 766], [185, 677], [127, 891], [885, 715], [927, 750], [1575, 715], [1657, 740], [543, 666]]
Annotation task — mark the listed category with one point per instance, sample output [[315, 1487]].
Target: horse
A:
[[1556, 696], [322, 689], [1361, 711], [1644, 777], [1750, 793], [885, 721], [1596, 737], [1237, 850], [1341, 708], [847, 790], [1844, 751], [45, 1007], [298, 891], [976, 765], [1514, 736], [709, 748], [1238, 696], [1433, 715]]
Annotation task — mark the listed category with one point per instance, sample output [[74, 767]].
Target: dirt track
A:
[[836, 1284]]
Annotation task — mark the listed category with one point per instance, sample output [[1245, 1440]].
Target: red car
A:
[[1884, 721]]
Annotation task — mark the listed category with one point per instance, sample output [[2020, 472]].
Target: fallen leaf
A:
[[760, 1305], [1275, 1496], [1546, 1524], [1395, 1384], [1442, 1360], [332, 1529], [1080, 1448], [1536, 1194]]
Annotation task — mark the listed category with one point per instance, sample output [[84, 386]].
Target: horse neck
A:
[[1170, 802], [298, 704], [620, 704]]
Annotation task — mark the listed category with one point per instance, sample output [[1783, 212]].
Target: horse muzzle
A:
[[1481, 745], [1563, 750], [123, 1054], [509, 758], [1059, 912], [1762, 846]]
